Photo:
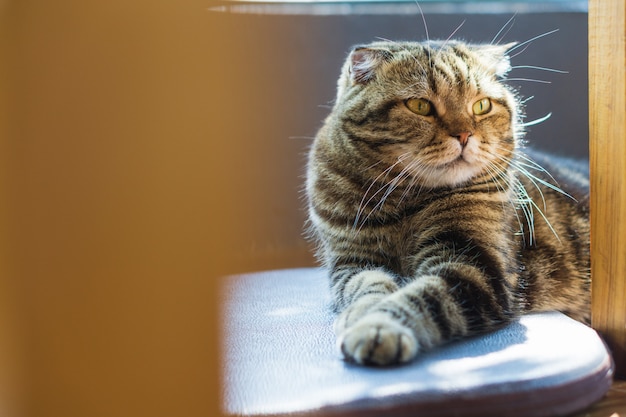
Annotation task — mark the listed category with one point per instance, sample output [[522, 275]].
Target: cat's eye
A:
[[420, 106], [482, 106]]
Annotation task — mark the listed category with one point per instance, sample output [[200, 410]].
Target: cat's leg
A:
[[376, 337], [355, 292], [398, 326], [459, 301], [361, 337]]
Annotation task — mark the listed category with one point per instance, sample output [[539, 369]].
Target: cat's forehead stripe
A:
[[450, 71]]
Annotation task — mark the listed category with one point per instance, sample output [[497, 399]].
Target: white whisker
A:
[[511, 20], [390, 186], [423, 19], [524, 203], [519, 199], [443, 45], [452, 34], [541, 181], [545, 219], [528, 79], [528, 162], [364, 203], [520, 52], [531, 39], [527, 204], [539, 68], [537, 121]]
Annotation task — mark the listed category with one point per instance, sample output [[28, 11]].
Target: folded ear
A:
[[495, 57], [365, 62]]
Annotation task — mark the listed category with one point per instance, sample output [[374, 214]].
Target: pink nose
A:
[[463, 137]]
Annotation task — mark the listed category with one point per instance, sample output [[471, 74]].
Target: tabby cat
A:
[[433, 220]]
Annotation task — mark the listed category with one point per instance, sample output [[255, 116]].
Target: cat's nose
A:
[[463, 137]]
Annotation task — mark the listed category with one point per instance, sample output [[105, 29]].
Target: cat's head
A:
[[437, 110]]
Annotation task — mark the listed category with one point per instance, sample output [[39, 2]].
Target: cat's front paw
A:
[[378, 340], [355, 312]]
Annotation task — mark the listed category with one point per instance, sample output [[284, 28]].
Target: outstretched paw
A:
[[378, 340]]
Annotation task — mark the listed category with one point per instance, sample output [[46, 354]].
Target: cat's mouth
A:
[[464, 157], [457, 163], [457, 170], [454, 165]]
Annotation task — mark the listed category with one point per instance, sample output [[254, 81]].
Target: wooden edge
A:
[[607, 151]]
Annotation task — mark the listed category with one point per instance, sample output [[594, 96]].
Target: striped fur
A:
[[439, 226]]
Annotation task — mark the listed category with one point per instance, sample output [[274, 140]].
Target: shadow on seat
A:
[[281, 360]]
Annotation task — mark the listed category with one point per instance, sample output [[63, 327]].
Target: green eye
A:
[[482, 106], [420, 106]]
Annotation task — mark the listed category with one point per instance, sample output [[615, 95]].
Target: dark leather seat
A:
[[280, 358]]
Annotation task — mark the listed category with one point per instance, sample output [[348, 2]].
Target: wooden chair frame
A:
[[607, 147]]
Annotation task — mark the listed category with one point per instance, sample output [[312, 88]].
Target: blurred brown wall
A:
[[149, 147], [120, 205]]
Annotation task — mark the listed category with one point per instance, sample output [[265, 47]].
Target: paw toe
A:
[[378, 343]]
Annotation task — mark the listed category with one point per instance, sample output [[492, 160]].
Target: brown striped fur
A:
[[439, 226]]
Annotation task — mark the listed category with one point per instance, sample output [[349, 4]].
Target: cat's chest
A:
[[417, 223], [397, 241]]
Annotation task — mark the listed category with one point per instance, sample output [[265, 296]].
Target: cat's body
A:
[[427, 212]]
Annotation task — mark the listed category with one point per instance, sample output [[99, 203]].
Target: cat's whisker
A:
[[390, 187], [451, 35], [536, 181], [423, 19], [519, 45], [498, 173], [530, 163], [364, 203], [539, 68], [405, 173], [522, 200], [519, 53], [493, 174], [511, 21], [543, 182], [519, 200], [418, 172], [374, 165], [532, 179], [409, 169], [556, 235], [534, 80], [408, 189], [414, 180], [443, 45], [536, 121], [534, 165]]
